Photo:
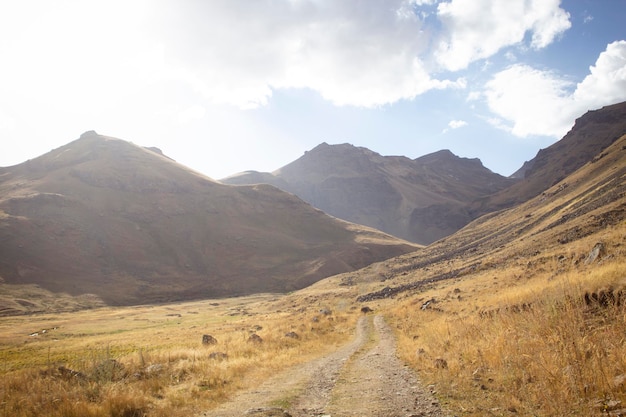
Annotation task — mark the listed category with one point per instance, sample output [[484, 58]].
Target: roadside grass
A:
[[150, 360], [525, 337]]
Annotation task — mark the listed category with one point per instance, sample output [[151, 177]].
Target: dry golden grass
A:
[[518, 338], [149, 360], [508, 331]]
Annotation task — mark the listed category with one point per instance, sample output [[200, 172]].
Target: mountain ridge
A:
[[592, 132], [432, 196], [394, 194], [104, 216]]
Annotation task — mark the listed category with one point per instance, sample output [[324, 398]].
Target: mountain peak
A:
[[88, 134], [359, 185], [445, 153], [104, 216], [340, 149]]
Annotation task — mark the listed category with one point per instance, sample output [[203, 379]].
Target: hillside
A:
[[522, 310], [592, 133], [103, 216], [420, 200], [588, 202]]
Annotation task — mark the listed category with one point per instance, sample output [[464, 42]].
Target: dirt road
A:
[[363, 378]]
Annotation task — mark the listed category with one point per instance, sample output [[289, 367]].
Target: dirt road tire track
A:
[[376, 383], [362, 378]]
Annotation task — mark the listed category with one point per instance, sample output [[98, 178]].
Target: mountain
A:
[[559, 229], [420, 200], [592, 133], [104, 216]]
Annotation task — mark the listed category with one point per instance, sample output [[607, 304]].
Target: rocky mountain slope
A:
[[420, 200], [106, 217], [569, 219], [592, 133]]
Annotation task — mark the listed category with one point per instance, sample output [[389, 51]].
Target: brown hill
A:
[[103, 216], [592, 133], [420, 200], [559, 226]]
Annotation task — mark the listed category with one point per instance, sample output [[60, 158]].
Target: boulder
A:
[[595, 253], [441, 363], [207, 339]]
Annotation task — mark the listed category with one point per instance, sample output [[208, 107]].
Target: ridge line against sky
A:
[[225, 86]]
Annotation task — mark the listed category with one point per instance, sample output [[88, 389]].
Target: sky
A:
[[224, 86]]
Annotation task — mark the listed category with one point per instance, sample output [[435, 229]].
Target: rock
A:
[[153, 369], [220, 356], [149, 371], [255, 338], [612, 405], [366, 310], [441, 363], [597, 251], [71, 374], [619, 381], [292, 335], [605, 297], [207, 339], [268, 412]]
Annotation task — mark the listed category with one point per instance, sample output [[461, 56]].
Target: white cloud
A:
[[366, 54], [606, 83], [454, 124], [498, 123], [477, 29], [529, 98], [537, 102]]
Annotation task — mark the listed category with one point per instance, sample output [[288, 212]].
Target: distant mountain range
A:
[[420, 200], [103, 216], [562, 229], [425, 199], [106, 217]]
